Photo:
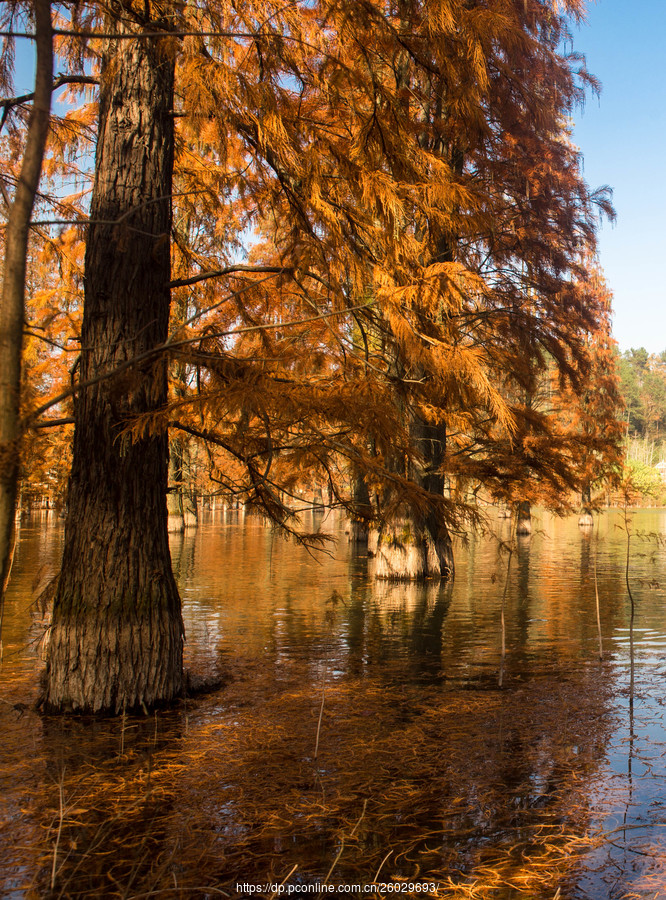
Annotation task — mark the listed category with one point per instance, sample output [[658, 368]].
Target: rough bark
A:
[[406, 551], [117, 633], [12, 310]]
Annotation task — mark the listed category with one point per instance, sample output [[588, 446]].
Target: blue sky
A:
[[623, 138]]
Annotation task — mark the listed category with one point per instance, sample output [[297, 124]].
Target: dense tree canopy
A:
[[377, 239]]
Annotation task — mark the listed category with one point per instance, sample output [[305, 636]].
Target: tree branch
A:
[[174, 345], [229, 270], [52, 423], [8, 104], [126, 215], [115, 36]]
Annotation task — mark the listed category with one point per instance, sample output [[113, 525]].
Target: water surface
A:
[[363, 729]]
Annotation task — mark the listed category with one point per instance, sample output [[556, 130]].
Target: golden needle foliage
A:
[[378, 218]]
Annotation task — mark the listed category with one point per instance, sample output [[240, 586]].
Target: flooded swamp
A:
[[362, 731]]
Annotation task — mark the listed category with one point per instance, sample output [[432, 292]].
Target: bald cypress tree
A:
[[117, 635], [421, 225]]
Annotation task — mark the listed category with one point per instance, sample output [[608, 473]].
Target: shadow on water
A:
[[361, 733]]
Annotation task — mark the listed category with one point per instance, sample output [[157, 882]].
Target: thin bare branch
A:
[[59, 82], [229, 270]]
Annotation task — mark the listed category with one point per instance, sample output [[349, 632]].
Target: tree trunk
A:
[[190, 494], [407, 551], [175, 518], [12, 310], [191, 508], [358, 520], [182, 503], [117, 633], [524, 518], [414, 548], [420, 547], [586, 519]]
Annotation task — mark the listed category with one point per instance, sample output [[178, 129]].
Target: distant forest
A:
[[643, 389]]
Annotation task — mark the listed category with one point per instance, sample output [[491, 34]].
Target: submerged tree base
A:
[[404, 551], [182, 513], [524, 518], [358, 533], [132, 667], [586, 519]]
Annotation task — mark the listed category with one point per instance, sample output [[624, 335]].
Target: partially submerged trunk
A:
[[181, 501], [318, 499], [12, 307], [414, 547], [524, 518], [362, 511], [117, 634], [190, 510], [175, 517], [408, 551], [586, 519]]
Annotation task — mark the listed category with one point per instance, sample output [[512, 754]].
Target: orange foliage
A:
[[378, 216]]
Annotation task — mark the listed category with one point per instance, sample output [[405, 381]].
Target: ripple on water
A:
[[554, 779]]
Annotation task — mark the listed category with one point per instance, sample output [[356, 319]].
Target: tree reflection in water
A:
[[425, 770]]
